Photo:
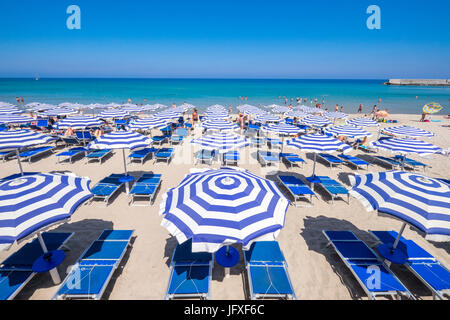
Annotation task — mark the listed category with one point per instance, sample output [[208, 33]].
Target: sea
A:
[[202, 93]]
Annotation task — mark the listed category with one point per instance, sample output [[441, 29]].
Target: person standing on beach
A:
[[374, 112], [174, 105], [342, 109], [360, 108], [336, 108], [230, 110], [241, 122]]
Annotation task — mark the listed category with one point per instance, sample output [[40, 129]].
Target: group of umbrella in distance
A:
[[216, 208]]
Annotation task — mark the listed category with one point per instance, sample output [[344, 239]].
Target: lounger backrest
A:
[[291, 180], [264, 251], [183, 254]]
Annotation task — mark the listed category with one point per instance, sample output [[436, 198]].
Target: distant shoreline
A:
[[419, 82]]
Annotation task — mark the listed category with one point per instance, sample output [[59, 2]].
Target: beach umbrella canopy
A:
[[17, 139], [406, 146], [362, 122], [58, 112], [216, 107], [113, 113], [222, 142], [120, 140], [318, 143], [147, 123], [432, 107], [79, 122], [282, 129], [408, 131], [152, 107], [307, 109], [10, 118], [296, 114], [217, 115], [220, 207], [334, 115], [9, 110], [267, 118], [315, 121], [170, 114], [280, 109], [418, 200], [219, 124], [32, 202], [348, 130], [132, 108]]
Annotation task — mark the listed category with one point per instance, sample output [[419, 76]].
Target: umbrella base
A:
[[393, 255]]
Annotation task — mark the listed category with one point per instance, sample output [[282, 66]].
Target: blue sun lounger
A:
[[190, 273], [330, 159], [231, 157], [5, 154], [333, 188], [296, 188], [274, 143], [159, 139], [16, 270], [292, 159], [70, 154], [165, 154], [423, 265], [268, 158], [84, 136], [205, 156], [178, 136], [354, 161], [142, 154], [107, 187], [267, 272], [413, 164], [366, 266], [145, 187], [70, 141], [35, 152], [98, 155], [91, 274], [394, 164]]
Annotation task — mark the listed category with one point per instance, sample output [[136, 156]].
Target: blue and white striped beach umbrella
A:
[[418, 200], [147, 123], [58, 112], [335, 115], [219, 124], [222, 142], [17, 139], [11, 118], [280, 109], [349, 131], [33, 202], [408, 131], [113, 114], [307, 109], [132, 109], [120, 140], [9, 110], [267, 118], [406, 146], [315, 121], [296, 114], [220, 207], [169, 114], [216, 107], [362, 122], [282, 129], [217, 115], [79, 122], [318, 143]]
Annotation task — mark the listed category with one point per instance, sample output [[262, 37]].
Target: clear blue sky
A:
[[225, 39]]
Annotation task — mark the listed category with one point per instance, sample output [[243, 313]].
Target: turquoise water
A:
[[205, 92]]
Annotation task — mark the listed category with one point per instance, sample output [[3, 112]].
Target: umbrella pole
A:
[[18, 161], [127, 186], [394, 246], [314, 167], [227, 270], [53, 272]]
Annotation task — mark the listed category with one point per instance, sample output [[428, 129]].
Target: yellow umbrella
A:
[[432, 107]]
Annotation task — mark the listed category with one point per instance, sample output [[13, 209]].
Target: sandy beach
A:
[[315, 269]]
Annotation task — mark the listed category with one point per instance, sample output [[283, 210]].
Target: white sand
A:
[[316, 271]]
